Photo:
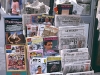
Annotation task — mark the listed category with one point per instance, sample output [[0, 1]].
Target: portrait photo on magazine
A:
[[37, 66], [15, 58], [14, 37], [50, 46]]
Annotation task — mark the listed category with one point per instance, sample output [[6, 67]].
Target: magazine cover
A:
[[82, 73], [50, 45], [32, 30], [15, 58], [29, 19], [34, 43], [50, 31], [14, 31], [53, 64], [65, 9], [46, 19], [71, 68], [71, 42], [67, 20], [35, 53], [37, 66]]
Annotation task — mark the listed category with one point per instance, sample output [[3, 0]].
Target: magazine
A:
[[67, 20], [14, 31], [37, 66], [82, 73], [71, 68], [53, 64], [35, 53], [34, 43], [50, 31], [71, 42], [15, 57], [32, 30], [50, 46], [65, 9]]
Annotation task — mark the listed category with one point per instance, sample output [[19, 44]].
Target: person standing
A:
[[15, 7]]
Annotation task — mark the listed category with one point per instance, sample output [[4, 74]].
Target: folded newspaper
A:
[[82, 73], [37, 8], [72, 68]]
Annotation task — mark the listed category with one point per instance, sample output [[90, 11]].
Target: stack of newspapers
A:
[[74, 53]]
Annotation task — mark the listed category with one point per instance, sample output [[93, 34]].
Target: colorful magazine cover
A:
[[32, 30], [35, 53], [53, 64], [37, 66], [15, 58], [50, 46], [34, 43], [14, 31]]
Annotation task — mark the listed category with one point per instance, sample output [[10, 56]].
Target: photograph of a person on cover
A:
[[47, 21], [15, 38], [39, 70], [48, 48]]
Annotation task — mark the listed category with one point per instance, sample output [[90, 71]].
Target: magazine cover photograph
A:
[[50, 46], [34, 43], [53, 64], [46, 19], [35, 53], [14, 31], [37, 66], [31, 30], [15, 58], [15, 37]]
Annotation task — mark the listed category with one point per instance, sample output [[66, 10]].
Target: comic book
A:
[[14, 31], [53, 64], [50, 45], [34, 43], [15, 57], [82, 73], [37, 66]]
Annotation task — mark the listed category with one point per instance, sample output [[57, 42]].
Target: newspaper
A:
[[37, 8], [67, 20], [74, 57], [77, 9], [71, 68], [98, 15], [71, 30], [84, 1], [82, 73], [71, 42]]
